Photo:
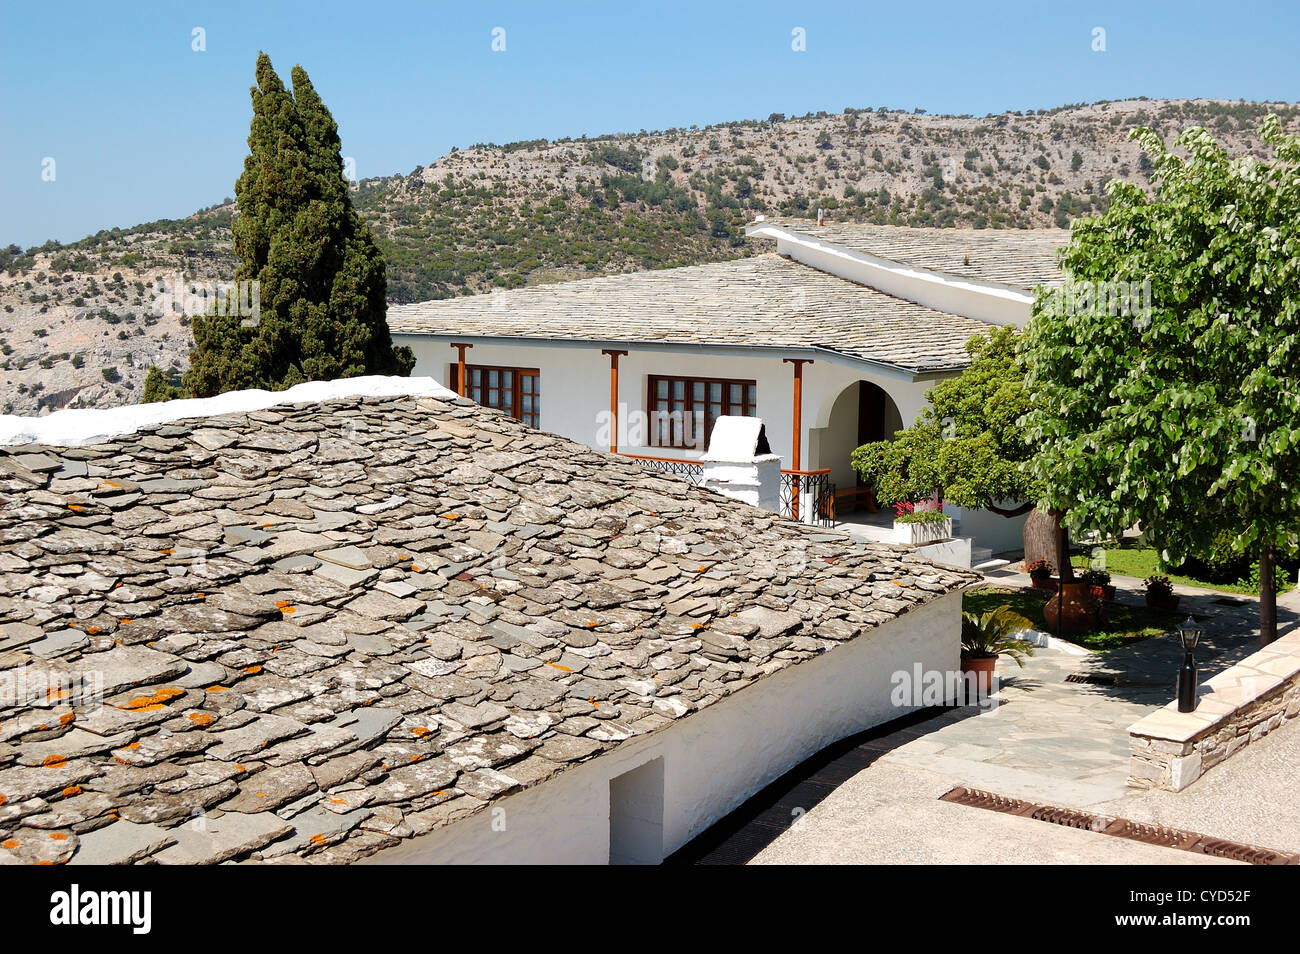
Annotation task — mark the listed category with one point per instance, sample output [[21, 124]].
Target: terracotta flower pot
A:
[[1104, 592], [983, 667], [1075, 610], [1043, 583], [1162, 602]]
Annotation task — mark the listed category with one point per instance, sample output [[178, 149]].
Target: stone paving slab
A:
[[891, 814]]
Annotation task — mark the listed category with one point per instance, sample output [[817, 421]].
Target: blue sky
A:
[[142, 127]]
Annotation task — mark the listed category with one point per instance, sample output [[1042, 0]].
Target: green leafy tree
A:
[[967, 447], [1184, 417], [321, 280]]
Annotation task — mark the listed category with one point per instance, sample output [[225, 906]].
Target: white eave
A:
[[992, 302]]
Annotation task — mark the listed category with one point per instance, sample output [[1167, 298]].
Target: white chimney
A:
[[740, 464]]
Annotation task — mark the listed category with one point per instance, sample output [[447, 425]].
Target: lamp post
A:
[[1189, 634]]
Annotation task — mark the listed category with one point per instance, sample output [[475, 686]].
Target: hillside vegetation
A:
[[80, 324]]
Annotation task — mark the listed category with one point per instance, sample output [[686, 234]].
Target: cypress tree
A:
[[321, 277]]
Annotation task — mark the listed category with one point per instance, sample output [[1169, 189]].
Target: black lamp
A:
[[1189, 634]]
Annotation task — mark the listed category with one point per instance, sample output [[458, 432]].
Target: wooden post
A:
[[460, 367], [613, 396], [796, 482]]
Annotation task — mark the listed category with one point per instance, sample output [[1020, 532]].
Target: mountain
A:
[[81, 323]]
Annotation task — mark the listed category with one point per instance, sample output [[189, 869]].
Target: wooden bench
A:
[[855, 498]]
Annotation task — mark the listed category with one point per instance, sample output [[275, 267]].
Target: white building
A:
[[833, 340]]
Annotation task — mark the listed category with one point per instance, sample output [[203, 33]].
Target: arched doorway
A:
[[861, 413]]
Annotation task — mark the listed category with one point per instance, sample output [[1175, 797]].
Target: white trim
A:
[[992, 302], [78, 426]]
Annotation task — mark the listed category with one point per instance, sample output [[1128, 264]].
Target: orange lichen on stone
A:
[[76, 508], [167, 550], [559, 667], [317, 839], [9, 843], [240, 768], [58, 836], [123, 622], [3, 798], [54, 761], [71, 790], [252, 670], [216, 689], [451, 516], [153, 703], [420, 731], [92, 630], [66, 718], [286, 610], [200, 718]]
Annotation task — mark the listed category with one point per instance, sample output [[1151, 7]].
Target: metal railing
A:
[[808, 496], [690, 469]]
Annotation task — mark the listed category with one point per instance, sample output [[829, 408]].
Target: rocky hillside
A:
[[81, 323]]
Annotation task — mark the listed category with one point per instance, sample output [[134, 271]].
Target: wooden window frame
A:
[[746, 407], [516, 409]]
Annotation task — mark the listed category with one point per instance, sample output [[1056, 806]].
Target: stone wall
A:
[[1172, 749]]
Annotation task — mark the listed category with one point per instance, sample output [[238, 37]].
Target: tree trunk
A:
[[1040, 539], [1267, 598]]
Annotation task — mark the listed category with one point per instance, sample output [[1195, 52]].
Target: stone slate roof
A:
[[320, 629], [1021, 258], [763, 301]]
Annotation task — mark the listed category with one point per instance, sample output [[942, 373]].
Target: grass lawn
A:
[[1133, 560], [1127, 624]]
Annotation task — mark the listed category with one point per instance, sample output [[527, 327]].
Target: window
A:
[[683, 410], [517, 391]]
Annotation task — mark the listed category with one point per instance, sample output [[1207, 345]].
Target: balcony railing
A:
[[690, 469], [806, 495]]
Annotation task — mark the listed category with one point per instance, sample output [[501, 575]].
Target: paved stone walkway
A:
[[1067, 742], [1054, 741]]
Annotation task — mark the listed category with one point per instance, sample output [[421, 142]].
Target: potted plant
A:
[[986, 636], [923, 522], [1040, 575], [1160, 593], [1099, 583]]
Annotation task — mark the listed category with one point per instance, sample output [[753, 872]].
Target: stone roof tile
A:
[[225, 700]]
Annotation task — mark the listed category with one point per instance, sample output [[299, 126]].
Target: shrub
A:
[[1159, 586], [1039, 570], [1095, 577]]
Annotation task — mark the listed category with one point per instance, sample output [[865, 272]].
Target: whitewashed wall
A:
[[575, 389], [988, 529], [714, 759]]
